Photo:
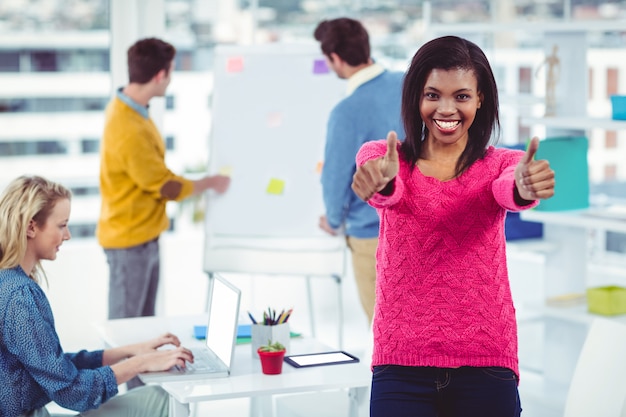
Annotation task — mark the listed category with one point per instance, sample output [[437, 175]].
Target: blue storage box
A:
[[515, 228], [618, 104]]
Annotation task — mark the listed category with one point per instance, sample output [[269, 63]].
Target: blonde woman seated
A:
[[34, 370]]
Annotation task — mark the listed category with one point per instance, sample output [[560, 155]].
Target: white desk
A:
[[246, 379]]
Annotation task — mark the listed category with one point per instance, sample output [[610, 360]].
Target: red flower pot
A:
[[271, 362]]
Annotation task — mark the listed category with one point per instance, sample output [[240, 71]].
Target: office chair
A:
[[598, 387]]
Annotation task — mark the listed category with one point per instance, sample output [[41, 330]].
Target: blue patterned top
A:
[[34, 370]]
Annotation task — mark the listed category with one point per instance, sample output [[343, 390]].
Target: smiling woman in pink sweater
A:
[[445, 335]]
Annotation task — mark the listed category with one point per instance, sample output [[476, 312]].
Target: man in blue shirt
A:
[[369, 111]]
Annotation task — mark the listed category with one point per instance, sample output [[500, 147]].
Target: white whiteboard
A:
[[269, 113]]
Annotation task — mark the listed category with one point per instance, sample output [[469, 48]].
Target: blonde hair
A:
[[26, 198]]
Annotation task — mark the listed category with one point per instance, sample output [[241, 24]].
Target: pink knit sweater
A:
[[442, 289]]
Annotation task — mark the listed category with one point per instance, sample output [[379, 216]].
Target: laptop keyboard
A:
[[202, 362]]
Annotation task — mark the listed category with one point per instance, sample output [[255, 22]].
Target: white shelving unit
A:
[[561, 26], [576, 123]]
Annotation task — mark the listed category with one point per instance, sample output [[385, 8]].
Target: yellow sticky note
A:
[[226, 171], [275, 186]]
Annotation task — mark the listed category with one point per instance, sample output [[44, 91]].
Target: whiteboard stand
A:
[[269, 256], [338, 280], [340, 314]]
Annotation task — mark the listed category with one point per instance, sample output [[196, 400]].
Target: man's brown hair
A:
[[147, 57], [346, 37]]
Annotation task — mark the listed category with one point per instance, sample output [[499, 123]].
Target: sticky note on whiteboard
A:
[[275, 186], [225, 170], [234, 64], [320, 67], [274, 119]]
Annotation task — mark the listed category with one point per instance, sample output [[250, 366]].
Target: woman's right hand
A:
[[151, 361], [162, 360], [374, 175]]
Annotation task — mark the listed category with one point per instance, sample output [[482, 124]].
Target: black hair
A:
[[446, 53]]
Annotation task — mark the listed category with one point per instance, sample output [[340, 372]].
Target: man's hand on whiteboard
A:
[[326, 227], [218, 183]]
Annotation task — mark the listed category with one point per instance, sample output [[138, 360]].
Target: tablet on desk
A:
[[319, 359]]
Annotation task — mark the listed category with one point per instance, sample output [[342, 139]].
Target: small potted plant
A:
[[272, 355]]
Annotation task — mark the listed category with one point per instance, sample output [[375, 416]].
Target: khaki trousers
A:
[[364, 265]]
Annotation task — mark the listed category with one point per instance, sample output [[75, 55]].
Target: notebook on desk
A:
[[215, 358]]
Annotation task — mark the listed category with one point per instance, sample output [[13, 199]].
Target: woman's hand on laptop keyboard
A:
[[156, 343], [162, 360], [146, 357]]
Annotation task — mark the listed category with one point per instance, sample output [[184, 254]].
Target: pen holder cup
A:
[[262, 333]]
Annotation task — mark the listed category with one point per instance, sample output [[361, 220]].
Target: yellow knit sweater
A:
[[132, 173]]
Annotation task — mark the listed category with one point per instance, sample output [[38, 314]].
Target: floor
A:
[[77, 289]]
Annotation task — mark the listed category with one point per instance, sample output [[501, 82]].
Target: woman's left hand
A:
[[153, 344], [534, 180]]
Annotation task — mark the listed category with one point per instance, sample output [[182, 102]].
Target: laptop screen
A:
[[223, 316]]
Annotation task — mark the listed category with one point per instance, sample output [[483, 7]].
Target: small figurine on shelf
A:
[[272, 356], [553, 64]]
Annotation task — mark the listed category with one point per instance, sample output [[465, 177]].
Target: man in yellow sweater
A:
[[135, 183]]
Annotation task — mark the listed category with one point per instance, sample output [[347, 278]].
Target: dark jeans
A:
[[402, 391]]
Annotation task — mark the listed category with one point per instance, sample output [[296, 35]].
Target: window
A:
[[169, 102], [610, 172], [90, 145], [50, 147], [170, 142], [525, 80], [12, 105], [52, 104], [39, 147], [82, 230], [83, 61], [612, 76], [610, 140], [183, 61], [9, 61], [54, 60], [85, 190], [43, 61]]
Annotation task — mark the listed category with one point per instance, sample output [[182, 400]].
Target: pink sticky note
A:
[[234, 64], [320, 67], [274, 119]]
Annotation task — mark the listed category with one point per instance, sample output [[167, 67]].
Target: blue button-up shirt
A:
[[34, 370]]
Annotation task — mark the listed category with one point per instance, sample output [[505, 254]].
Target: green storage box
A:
[[608, 301], [568, 159]]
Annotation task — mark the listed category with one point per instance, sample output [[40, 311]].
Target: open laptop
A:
[[215, 358]]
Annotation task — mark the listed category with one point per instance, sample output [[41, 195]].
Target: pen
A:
[[251, 318]]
